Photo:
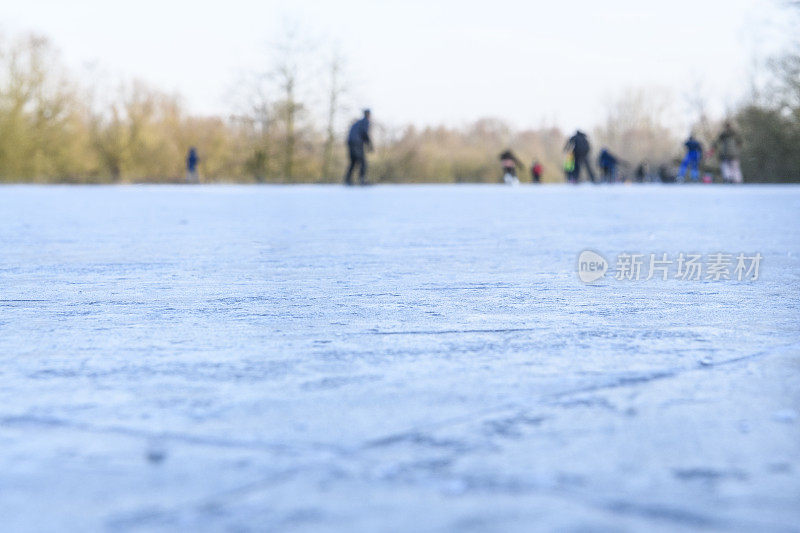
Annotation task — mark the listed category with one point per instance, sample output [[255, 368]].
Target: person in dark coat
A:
[[642, 172], [191, 165], [608, 165], [579, 145], [727, 146], [357, 140]]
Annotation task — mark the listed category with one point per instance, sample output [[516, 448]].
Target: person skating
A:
[[192, 161], [536, 172], [509, 163], [357, 141], [579, 145], [694, 155], [642, 171], [608, 165], [727, 147]]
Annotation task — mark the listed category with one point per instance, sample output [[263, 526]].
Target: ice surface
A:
[[410, 358]]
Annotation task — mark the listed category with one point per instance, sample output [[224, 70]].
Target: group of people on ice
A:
[[726, 147], [511, 163], [578, 152]]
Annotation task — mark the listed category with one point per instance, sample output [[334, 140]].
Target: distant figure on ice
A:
[[608, 165], [666, 173], [727, 147], [536, 172], [578, 144], [357, 141], [694, 155], [510, 163], [642, 171], [191, 165]]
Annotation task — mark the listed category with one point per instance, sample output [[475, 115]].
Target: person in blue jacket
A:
[[608, 165], [694, 154], [357, 140], [191, 165]]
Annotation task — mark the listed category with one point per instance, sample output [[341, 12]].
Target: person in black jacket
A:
[[578, 144], [357, 140], [642, 172]]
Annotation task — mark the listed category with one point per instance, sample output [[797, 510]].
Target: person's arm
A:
[[365, 137]]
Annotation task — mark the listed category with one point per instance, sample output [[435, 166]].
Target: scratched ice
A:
[[414, 358]]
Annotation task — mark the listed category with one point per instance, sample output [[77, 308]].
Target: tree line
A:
[[54, 128]]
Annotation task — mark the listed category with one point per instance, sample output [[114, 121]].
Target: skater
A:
[[579, 145], [694, 155], [536, 172], [191, 166], [727, 147], [357, 140], [608, 166], [666, 173], [510, 163], [642, 171]]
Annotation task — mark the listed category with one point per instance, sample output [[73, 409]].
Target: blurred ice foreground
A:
[[394, 358]]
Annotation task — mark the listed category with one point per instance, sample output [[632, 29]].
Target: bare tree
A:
[[335, 90], [255, 119], [289, 53], [634, 127]]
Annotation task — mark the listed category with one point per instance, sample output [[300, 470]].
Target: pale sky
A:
[[427, 62]]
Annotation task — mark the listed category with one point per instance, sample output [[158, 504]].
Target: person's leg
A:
[[362, 169], [725, 170], [736, 172], [576, 169], [682, 171], [588, 163], [348, 176], [695, 167]]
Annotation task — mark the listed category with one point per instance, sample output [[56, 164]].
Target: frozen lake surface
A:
[[395, 359]]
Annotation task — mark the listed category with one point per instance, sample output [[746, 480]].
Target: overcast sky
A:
[[428, 62]]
